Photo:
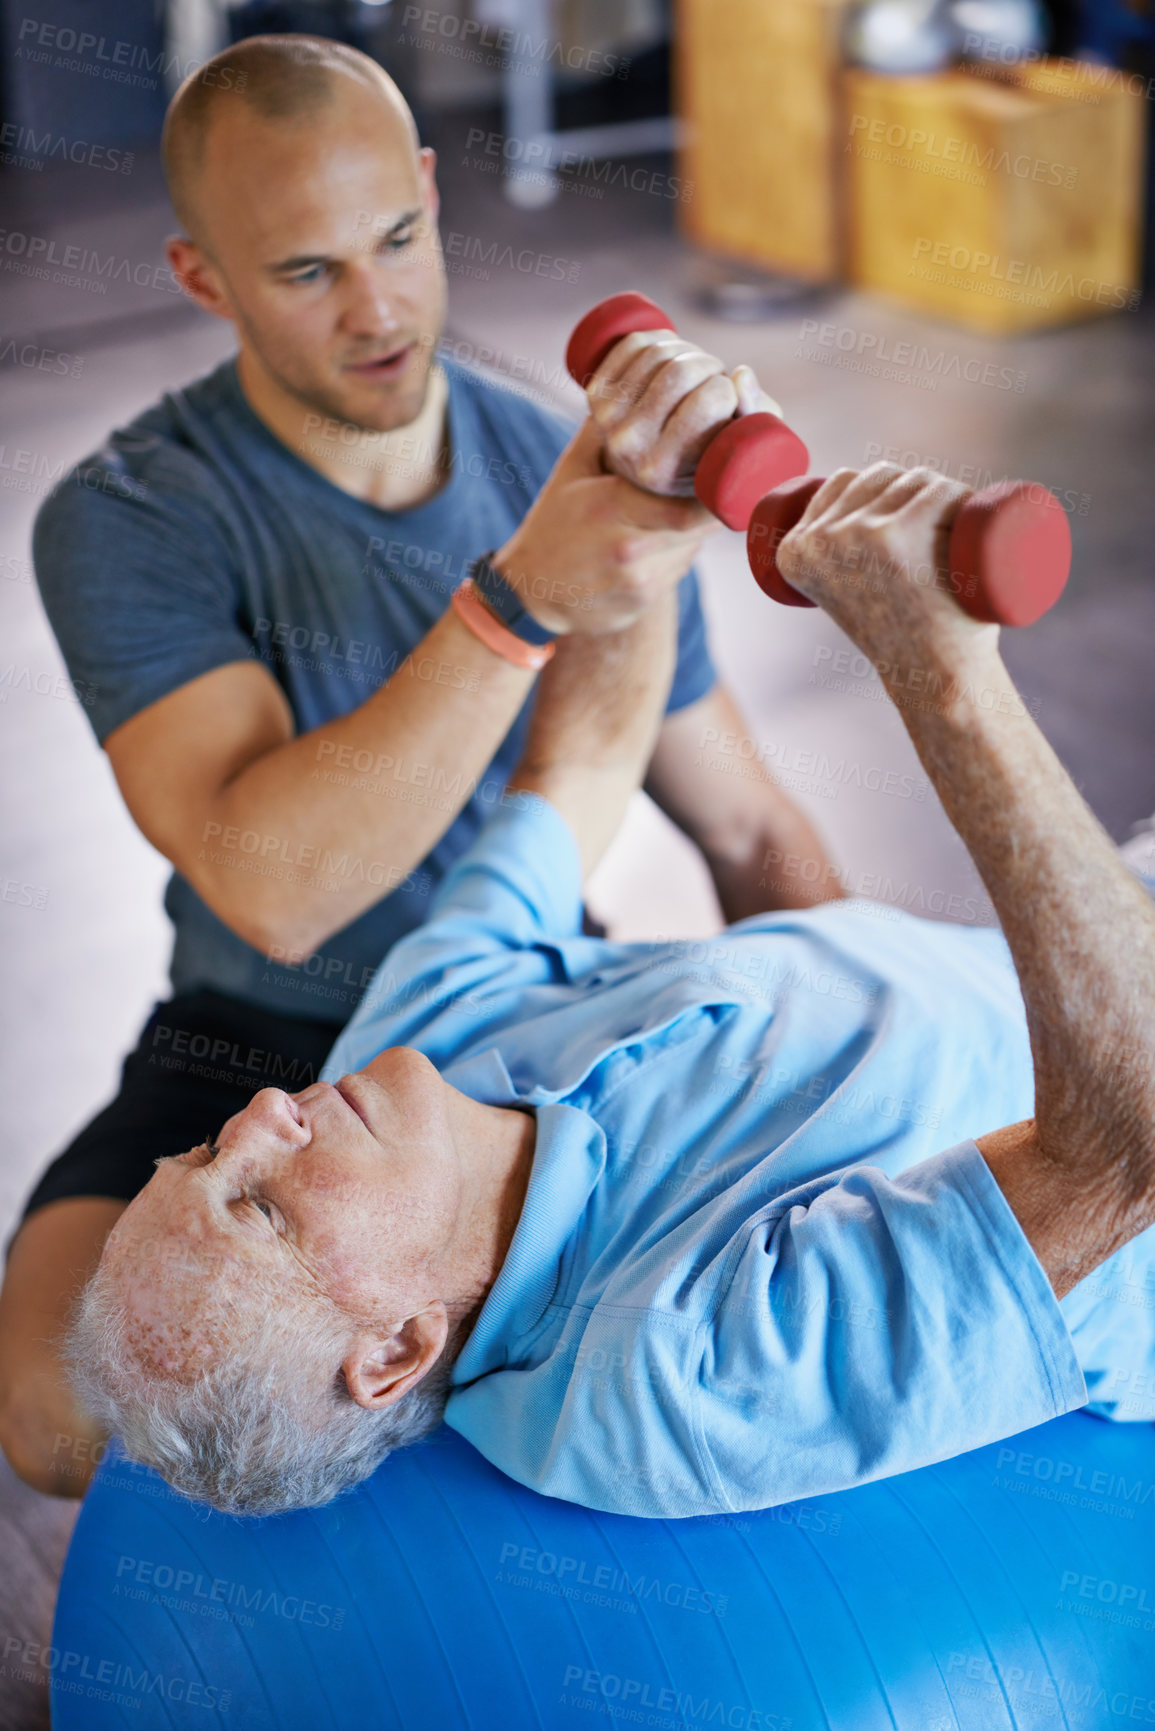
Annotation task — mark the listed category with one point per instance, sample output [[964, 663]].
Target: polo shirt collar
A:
[[569, 1158]]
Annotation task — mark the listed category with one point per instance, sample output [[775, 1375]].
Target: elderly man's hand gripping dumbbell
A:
[[659, 402], [872, 550], [726, 442]]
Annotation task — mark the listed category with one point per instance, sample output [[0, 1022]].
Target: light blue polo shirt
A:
[[745, 1273]]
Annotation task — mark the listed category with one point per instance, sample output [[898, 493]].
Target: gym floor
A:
[[81, 925]]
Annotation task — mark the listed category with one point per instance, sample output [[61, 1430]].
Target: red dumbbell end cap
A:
[[772, 518], [1010, 553], [594, 335], [743, 462]]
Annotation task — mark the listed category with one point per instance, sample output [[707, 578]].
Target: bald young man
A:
[[684, 1229], [254, 580]]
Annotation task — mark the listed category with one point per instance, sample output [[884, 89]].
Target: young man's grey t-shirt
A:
[[195, 538]]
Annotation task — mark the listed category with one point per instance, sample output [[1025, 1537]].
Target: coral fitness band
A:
[[473, 612]]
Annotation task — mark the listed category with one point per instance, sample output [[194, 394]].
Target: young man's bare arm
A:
[[1080, 1176]]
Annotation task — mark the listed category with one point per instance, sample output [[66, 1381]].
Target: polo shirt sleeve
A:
[[517, 885], [694, 671], [520, 881], [871, 1325], [138, 580]]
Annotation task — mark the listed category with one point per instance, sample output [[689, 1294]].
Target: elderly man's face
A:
[[353, 1191]]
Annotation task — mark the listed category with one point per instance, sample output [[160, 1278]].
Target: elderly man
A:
[[662, 1228], [260, 579]]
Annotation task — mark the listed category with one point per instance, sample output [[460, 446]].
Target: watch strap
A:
[[485, 625], [503, 600]]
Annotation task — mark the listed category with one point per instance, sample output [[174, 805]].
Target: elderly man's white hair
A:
[[268, 1426]]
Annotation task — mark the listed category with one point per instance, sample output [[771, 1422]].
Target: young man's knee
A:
[[44, 1438], [47, 1445], [46, 1441]]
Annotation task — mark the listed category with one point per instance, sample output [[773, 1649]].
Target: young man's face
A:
[[353, 1191], [322, 231]]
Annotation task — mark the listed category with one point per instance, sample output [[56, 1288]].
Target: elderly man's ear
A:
[[380, 1371]]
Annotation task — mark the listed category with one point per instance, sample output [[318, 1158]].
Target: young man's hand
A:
[[593, 552], [658, 400], [616, 525], [871, 549]]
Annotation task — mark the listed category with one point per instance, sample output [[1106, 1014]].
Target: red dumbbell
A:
[[742, 462], [1010, 549]]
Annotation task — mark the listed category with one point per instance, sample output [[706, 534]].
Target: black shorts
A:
[[201, 1058]]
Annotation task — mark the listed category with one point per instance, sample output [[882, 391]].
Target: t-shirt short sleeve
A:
[[694, 674], [138, 581]]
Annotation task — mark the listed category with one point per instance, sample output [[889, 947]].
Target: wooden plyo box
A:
[[758, 96], [1001, 205]]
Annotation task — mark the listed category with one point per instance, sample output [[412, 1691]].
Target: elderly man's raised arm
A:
[[595, 724], [1080, 1176]]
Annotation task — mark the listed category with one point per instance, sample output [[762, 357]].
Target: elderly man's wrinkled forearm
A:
[[1081, 931], [599, 707]]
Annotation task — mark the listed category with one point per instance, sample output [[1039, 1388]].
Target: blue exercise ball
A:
[[1013, 1587]]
